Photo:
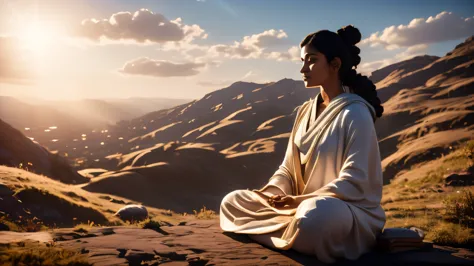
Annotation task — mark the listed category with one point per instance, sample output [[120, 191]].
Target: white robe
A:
[[343, 174]]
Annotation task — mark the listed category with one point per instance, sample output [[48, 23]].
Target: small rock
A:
[[136, 257], [107, 231], [132, 213]]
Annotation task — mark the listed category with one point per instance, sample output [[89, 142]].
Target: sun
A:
[[39, 38]]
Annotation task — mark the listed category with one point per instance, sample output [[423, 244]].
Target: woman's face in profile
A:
[[315, 69]]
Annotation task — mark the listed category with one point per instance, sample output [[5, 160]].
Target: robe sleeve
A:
[[360, 178], [282, 179]]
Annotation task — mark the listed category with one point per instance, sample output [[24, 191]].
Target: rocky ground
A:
[[202, 242]]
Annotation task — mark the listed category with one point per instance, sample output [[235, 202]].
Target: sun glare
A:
[[39, 38]]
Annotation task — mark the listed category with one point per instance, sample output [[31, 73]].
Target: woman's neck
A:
[[330, 91]]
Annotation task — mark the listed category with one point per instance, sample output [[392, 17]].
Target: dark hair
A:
[[342, 45]]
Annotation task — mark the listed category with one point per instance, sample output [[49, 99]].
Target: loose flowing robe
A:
[[337, 162]]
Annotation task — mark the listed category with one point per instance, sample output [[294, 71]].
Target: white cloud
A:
[[293, 54], [413, 39], [143, 26], [253, 46], [369, 67], [410, 52], [443, 27], [237, 50], [267, 38], [161, 68]]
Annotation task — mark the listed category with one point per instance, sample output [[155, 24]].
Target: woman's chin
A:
[[309, 85]]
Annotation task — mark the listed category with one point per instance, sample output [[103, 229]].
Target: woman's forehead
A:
[[308, 49]]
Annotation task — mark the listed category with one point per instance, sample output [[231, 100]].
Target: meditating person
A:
[[324, 199]]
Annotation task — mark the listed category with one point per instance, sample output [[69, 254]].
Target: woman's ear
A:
[[336, 63]]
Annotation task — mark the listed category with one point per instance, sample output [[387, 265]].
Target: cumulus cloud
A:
[[143, 26], [13, 64], [293, 54], [253, 46], [369, 67], [444, 26], [410, 52], [267, 38], [161, 68], [237, 50]]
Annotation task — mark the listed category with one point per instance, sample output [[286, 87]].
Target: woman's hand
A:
[[281, 201], [271, 200]]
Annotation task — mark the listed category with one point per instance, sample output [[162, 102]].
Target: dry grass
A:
[[19, 179], [85, 227], [460, 208], [436, 224], [27, 253], [422, 200], [452, 235], [22, 224], [151, 224], [468, 151], [6, 222], [205, 213]]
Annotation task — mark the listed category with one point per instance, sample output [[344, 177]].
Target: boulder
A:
[[132, 212]]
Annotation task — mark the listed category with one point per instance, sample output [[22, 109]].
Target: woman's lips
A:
[[305, 78]]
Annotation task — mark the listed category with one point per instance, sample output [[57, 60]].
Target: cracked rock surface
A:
[[202, 242]]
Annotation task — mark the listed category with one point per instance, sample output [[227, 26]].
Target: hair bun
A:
[[355, 51], [350, 35]]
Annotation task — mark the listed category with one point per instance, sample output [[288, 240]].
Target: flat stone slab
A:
[[202, 242]]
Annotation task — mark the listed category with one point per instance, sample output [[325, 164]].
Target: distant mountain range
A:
[[89, 113]]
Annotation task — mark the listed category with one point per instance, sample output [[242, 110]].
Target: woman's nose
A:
[[303, 69]]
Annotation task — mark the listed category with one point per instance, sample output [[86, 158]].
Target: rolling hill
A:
[[194, 153], [208, 147]]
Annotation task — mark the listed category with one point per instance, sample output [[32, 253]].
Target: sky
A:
[[56, 49]]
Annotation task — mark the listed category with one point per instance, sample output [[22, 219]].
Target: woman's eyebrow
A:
[[308, 55]]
